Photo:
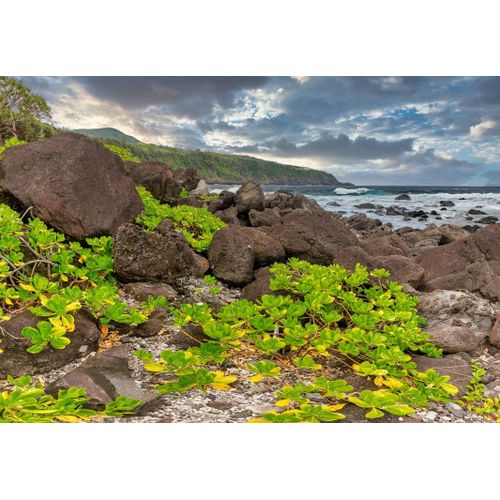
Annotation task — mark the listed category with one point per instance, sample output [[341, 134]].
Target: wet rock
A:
[[73, 184], [457, 366], [16, 361], [368, 206], [231, 256], [490, 219], [456, 321], [249, 196], [393, 211], [403, 197], [267, 217], [156, 177], [446, 203], [105, 377], [475, 211], [142, 290], [333, 204], [142, 256]]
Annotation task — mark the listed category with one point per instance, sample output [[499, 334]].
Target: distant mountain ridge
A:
[[218, 168]]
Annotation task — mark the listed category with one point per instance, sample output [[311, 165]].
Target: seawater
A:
[[486, 199]]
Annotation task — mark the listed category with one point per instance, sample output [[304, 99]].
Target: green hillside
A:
[[217, 167], [108, 133]]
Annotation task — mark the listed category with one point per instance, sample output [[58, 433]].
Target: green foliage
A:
[[22, 112], [220, 167], [27, 402], [53, 279], [123, 153], [323, 313], [475, 399], [10, 142], [198, 225]]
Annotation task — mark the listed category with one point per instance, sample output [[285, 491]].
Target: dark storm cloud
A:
[[416, 130], [342, 148]]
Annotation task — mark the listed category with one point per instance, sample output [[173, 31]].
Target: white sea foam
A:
[[353, 191]]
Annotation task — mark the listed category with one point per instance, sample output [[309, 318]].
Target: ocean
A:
[[483, 199]]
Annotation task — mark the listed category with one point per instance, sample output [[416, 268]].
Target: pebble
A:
[[455, 409], [430, 416]]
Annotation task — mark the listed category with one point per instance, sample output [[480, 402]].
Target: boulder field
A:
[[80, 188]]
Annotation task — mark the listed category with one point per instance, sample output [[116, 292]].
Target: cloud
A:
[[482, 128]]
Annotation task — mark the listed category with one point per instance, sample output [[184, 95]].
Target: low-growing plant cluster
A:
[[24, 401], [123, 153], [323, 322], [53, 278], [198, 225], [11, 141]]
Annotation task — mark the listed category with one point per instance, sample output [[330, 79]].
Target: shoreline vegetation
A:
[[130, 292]]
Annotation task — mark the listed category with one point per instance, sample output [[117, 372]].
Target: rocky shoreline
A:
[[83, 190]]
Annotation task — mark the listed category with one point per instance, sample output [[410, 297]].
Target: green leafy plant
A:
[[359, 319], [198, 225], [123, 153], [27, 402], [46, 333]]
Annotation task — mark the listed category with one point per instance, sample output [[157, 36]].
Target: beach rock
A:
[[16, 361], [73, 184], [157, 256], [471, 263], [284, 200], [392, 211], [457, 366], [156, 177], [368, 206], [320, 238], [403, 197], [152, 326], [231, 256], [142, 290], [456, 321], [105, 377], [259, 287], [249, 196], [392, 244], [491, 219], [450, 233], [446, 203], [418, 213], [187, 178], [227, 198], [201, 189], [229, 216], [267, 217], [494, 337], [361, 222], [475, 211], [266, 249], [404, 269], [333, 204]]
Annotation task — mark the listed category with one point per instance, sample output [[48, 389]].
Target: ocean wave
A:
[[347, 191]]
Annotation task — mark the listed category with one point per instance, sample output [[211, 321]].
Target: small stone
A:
[[455, 409], [430, 416]]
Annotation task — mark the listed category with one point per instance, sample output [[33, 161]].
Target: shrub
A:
[[198, 225], [363, 322], [123, 153], [12, 141]]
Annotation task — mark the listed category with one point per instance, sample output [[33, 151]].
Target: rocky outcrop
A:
[[73, 184], [456, 321], [187, 178], [286, 201], [157, 178], [142, 256], [266, 249], [403, 269], [267, 217], [16, 361], [249, 196], [231, 256], [471, 263]]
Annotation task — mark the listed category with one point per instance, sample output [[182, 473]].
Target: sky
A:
[[441, 131]]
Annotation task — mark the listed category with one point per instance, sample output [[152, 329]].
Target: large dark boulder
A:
[[391, 244], [249, 196], [267, 217], [231, 256], [73, 183], [16, 361], [161, 256], [471, 263], [157, 178], [403, 269]]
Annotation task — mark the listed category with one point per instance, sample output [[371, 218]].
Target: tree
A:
[[22, 112]]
